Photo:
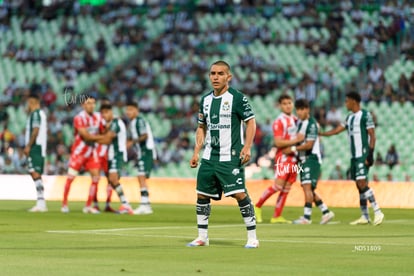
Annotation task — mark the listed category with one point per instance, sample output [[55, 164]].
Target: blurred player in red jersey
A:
[[285, 135], [83, 152]]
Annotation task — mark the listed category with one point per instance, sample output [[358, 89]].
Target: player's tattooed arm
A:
[[107, 138], [334, 131], [32, 140], [199, 142], [86, 136], [282, 143]]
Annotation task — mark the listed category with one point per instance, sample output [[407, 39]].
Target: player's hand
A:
[[300, 137], [245, 155], [370, 158], [26, 150], [287, 150], [194, 161]]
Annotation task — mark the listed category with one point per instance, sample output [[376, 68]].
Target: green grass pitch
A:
[[107, 244]]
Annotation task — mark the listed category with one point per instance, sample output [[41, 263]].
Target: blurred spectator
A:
[[366, 93], [337, 173], [7, 139], [334, 116], [379, 160], [8, 167], [375, 74], [391, 159]]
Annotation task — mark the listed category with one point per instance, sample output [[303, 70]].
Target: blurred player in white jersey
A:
[[141, 137], [35, 149], [116, 138]]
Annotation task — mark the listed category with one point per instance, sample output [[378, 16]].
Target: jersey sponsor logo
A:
[[206, 108], [214, 116], [248, 113], [218, 126], [226, 106], [225, 115], [239, 181]]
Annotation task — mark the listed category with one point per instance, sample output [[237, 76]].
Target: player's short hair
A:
[[85, 97], [284, 97], [354, 96], [132, 103], [223, 63], [34, 96], [106, 107], [105, 100], [301, 104]]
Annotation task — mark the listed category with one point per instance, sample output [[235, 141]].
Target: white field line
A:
[[95, 231], [122, 233]]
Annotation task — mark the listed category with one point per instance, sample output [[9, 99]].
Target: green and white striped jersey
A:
[[357, 125], [37, 119], [138, 127], [309, 128], [224, 116], [118, 146]]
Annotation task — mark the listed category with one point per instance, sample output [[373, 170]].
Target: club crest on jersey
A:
[[226, 106], [235, 171]]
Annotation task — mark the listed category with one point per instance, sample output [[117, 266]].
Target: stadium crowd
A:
[[187, 76]]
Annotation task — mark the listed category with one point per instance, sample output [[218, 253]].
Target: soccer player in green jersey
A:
[[141, 137], [309, 164], [35, 149], [361, 133], [116, 138], [220, 127]]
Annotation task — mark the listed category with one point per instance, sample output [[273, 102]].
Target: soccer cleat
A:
[[109, 209], [379, 217], [143, 210], [90, 210], [280, 220], [64, 209], [327, 217], [361, 221], [252, 243], [126, 209], [199, 242], [302, 220], [38, 209], [258, 213]]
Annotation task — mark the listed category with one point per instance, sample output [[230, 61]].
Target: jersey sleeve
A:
[[78, 122], [345, 123], [277, 128], [201, 118], [244, 110], [36, 119], [312, 131], [114, 126], [369, 120], [141, 127]]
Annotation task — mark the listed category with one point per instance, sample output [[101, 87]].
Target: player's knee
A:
[[73, 172]]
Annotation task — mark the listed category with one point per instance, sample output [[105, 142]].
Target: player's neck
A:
[[356, 109], [218, 93]]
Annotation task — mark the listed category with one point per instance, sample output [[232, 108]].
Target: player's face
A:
[[89, 105], [219, 77], [107, 114], [286, 106], [302, 113], [349, 103], [131, 112], [30, 104]]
